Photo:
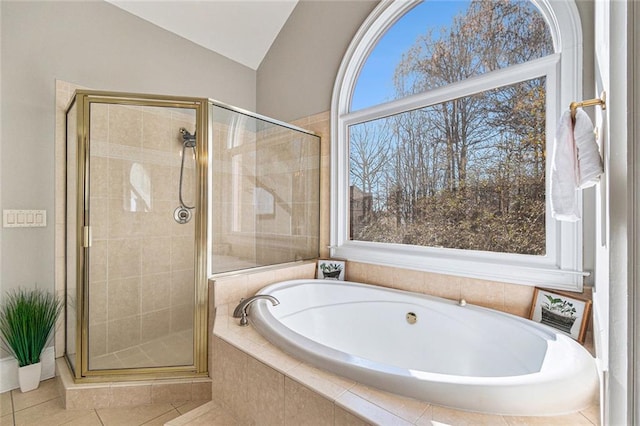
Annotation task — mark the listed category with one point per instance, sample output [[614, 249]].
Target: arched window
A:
[[443, 119]]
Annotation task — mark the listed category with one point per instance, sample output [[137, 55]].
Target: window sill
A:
[[508, 268]]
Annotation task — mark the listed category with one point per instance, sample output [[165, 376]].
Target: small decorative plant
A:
[[330, 267], [27, 319], [561, 306], [331, 270]]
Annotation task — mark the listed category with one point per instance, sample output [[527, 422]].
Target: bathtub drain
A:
[[411, 317]]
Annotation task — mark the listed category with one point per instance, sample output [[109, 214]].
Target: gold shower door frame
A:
[[82, 100]]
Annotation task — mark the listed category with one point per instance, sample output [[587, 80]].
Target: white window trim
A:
[[561, 267]]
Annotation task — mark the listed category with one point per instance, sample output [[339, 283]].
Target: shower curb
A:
[[130, 393]]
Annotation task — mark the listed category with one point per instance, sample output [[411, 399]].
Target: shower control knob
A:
[[182, 215]]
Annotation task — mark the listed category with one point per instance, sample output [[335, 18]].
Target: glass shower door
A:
[[141, 260], [135, 283]]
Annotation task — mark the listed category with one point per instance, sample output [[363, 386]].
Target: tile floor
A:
[[43, 407]]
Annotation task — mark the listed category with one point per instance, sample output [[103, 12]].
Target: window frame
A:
[[561, 266]]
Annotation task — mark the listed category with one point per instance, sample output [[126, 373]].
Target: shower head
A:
[[188, 139]]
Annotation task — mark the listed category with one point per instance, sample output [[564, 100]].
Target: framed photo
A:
[[330, 269], [566, 313]]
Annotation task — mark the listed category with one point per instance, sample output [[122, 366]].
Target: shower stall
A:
[[162, 192]]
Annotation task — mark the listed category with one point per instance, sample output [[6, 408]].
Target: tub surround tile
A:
[[344, 418], [327, 384], [230, 375], [511, 298], [483, 293], [168, 392], [592, 413], [517, 299], [241, 358], [274, 357], [370, 412], [239, 340], [230, 288], [247, 333], [356, 271], [443, 415], [265, 393], [407, 408], [303, 406], [575, 419], [410, 281]]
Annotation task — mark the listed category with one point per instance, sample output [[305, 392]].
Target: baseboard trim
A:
[[9, 370]]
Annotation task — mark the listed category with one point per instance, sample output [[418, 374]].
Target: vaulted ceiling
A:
[[242, 30]]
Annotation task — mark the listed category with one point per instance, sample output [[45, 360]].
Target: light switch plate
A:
[[24, 218]]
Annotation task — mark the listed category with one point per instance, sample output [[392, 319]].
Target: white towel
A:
[[589, 160], [576, 164]]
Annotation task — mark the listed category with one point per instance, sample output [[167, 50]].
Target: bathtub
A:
[[432, 349]]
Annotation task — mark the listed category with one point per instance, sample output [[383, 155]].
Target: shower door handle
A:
[[86, 237]]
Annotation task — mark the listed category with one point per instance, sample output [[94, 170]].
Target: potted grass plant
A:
[[27, 320]]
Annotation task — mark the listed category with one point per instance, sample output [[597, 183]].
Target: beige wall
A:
[[296, 77], [97, 45]]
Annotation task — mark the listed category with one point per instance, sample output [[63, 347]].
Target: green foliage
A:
[[27, 319], [330, 267], [559, 305]]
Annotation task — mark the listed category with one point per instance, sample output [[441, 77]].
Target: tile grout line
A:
[[98, 416], [163, 414], [13, 410]]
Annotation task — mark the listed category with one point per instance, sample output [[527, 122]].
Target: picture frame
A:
[[331, 269], [564, 312]]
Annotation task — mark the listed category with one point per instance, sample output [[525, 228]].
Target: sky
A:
[[375, 82]]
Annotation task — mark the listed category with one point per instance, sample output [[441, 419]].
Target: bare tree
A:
[[466, 173], [370, 149]]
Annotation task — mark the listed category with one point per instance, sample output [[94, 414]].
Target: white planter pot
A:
[[29, 377]]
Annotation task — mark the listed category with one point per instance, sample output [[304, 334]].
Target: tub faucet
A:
[[241, 310]]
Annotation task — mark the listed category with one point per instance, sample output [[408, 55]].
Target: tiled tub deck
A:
[[260, 384]]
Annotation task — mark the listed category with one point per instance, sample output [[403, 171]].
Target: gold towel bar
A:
[[602, 101]]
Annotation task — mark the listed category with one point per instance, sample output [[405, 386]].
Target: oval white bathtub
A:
[[464, 357]]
